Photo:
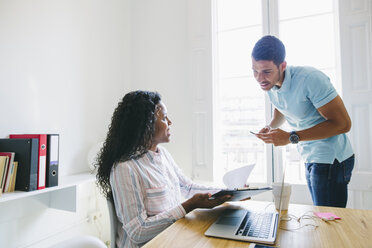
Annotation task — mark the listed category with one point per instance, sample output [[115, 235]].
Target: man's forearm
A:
[[278, 119], [337, 122], [324, 130]]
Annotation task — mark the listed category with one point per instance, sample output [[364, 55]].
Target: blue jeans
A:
[[328, 182]]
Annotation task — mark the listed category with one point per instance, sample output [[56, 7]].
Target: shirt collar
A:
[[286, 85], [154, 155]]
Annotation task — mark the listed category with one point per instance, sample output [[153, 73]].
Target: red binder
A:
[[41, 171]]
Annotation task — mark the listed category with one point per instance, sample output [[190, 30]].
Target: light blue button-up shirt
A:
[[304, 90]]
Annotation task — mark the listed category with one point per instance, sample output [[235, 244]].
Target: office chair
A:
[[84, 241], [113, 221]]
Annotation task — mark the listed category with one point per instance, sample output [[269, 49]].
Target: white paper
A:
[[237, 178]]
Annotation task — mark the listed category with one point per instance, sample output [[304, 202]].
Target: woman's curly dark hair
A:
[[129, 136]]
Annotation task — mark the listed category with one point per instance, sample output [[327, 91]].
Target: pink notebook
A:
[[327, 216]]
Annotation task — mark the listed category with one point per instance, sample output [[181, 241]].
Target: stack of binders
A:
[[38, 159]]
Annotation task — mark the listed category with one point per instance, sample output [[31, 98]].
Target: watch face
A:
[[293, 138]]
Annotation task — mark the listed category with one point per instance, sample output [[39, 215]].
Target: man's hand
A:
[[266, 129], [277, 137]]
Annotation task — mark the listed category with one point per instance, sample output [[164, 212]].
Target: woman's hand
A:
[[203, 201]]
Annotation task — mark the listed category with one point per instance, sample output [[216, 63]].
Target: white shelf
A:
[[62, 196]]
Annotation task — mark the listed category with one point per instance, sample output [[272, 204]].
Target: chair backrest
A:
[[84, 241], [113, 222]]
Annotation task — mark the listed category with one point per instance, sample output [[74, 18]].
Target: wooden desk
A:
[[353, 230]]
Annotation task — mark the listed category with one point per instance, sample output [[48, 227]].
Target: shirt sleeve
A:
[[129, 203], [187, 186], [319, 89]]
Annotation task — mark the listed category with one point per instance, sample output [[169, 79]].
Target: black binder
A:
[[52, 158], [26, 153]]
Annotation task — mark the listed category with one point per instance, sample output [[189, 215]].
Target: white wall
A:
[[64, 65], [160, 62]]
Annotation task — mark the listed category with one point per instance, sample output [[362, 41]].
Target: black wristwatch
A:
[[293, 137]]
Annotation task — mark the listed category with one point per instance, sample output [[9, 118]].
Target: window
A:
[[307, 29]]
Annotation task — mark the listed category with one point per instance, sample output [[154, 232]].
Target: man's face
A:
[[268, 74]]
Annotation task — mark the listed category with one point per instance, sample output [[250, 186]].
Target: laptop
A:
[[247, 225]]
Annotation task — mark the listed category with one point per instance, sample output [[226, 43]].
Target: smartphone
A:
[[253, 245]]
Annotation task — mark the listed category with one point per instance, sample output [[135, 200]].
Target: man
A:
[[305, 98]]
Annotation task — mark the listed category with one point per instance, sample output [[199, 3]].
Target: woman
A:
[[141, 176]]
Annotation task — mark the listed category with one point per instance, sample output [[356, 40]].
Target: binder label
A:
[[42, 168]]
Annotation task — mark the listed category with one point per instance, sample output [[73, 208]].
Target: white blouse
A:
[[147, 195]]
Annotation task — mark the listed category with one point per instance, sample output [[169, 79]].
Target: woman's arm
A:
[[129, 201]]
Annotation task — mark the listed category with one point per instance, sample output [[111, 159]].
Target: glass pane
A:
[[295, 168], [241, 104], [295, 8], [331, 73], [238, 13], [234, 51], [309, 41]]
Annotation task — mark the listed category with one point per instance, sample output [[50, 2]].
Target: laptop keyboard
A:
[[255, 225]]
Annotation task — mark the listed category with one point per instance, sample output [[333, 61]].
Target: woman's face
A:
[[162, 123]]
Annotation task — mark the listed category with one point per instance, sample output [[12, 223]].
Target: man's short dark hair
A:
[[269, 48]]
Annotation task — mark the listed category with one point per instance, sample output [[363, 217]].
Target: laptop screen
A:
[[281, 191]]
